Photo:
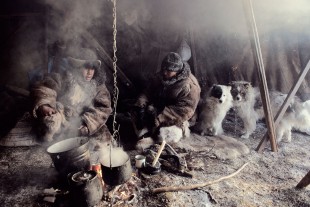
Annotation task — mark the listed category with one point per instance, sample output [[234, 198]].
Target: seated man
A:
[[72, 103], [170, 100]]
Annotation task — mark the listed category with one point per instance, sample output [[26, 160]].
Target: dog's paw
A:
[[245, 136], [287, 139]]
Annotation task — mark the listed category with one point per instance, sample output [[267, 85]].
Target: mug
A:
[[140, 161]]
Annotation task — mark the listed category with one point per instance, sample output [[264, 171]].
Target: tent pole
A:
[[254, 38], [286, 103]]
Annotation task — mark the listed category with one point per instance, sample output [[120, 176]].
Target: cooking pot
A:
[[116, 169], [70, 155], [86, 189]]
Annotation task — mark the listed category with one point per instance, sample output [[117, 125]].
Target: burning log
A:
[[200, 185]]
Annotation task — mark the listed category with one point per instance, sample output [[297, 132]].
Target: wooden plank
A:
[[285, 104], [304, 182], [107, 59], [254, 38]]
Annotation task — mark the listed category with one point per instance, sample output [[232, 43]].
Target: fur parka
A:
[[175, 101], [80, 102]]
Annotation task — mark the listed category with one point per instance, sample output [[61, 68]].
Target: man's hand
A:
[[83, 130], [156, 122], [46, 110]]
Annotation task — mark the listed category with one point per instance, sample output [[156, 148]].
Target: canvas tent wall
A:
[[148, 29]]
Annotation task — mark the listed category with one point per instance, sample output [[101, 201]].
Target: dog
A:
[[245, 97], [297, 115], [213, 110]]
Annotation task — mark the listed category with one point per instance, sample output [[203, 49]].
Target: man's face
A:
[[167, 74], [88, 73]]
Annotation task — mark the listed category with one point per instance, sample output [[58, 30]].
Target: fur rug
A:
[[223, 147]]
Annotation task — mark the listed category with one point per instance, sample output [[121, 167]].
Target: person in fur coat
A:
[[171, 98], [72, 103]]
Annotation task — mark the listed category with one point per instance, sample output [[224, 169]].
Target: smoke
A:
[[117, 157], [69, 19]]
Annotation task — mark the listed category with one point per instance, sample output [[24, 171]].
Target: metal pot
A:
[[70, 155], [86, 189], [116, 174]]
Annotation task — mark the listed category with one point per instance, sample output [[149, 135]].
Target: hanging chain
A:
[[115, 90]]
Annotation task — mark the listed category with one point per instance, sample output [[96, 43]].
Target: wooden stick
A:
[[199, 185], [304, 182], [158, 153]]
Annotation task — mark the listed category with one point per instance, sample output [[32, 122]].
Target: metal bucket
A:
[[70, 155]]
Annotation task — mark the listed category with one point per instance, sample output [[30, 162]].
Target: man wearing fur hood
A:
[[71, 103], [172, 95]]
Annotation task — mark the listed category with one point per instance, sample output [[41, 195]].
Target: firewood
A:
[[199, 185]]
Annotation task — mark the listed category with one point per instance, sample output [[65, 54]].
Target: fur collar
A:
[[185, 72]]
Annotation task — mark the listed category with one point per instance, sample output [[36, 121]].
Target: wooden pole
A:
[[254, 38], [285, 104], [193, 49], [304, 182]]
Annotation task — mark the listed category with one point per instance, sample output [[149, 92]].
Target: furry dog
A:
[[244, 99], [213, 110], [297, 115]]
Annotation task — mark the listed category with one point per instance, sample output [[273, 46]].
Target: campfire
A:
[[124, 194]]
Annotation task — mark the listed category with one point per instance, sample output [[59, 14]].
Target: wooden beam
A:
[[107, 59], [285, 104], [254, 38]]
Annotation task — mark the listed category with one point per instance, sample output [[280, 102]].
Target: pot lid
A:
[[83, 176]]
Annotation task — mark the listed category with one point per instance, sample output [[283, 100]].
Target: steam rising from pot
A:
[[117, 157]]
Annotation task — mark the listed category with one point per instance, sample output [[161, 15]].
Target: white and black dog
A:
[[213, 110]]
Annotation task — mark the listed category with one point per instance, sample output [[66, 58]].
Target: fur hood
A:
[[175, 101], [183, 74]]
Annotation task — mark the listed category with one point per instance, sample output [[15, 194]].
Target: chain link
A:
[[115, 89]]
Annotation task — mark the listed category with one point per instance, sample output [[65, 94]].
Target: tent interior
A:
[[36, 33]]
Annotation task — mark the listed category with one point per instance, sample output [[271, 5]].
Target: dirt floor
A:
[[269, 179]]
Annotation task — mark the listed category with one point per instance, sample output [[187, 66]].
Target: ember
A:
[[123, 194]]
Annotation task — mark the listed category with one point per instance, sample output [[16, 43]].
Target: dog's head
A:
[[220, 92], [240, 90]]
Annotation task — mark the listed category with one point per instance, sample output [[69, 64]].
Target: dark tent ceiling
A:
[[215, 30]]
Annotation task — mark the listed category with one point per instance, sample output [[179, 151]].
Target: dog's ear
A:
[[247, 85], [306, 104]]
